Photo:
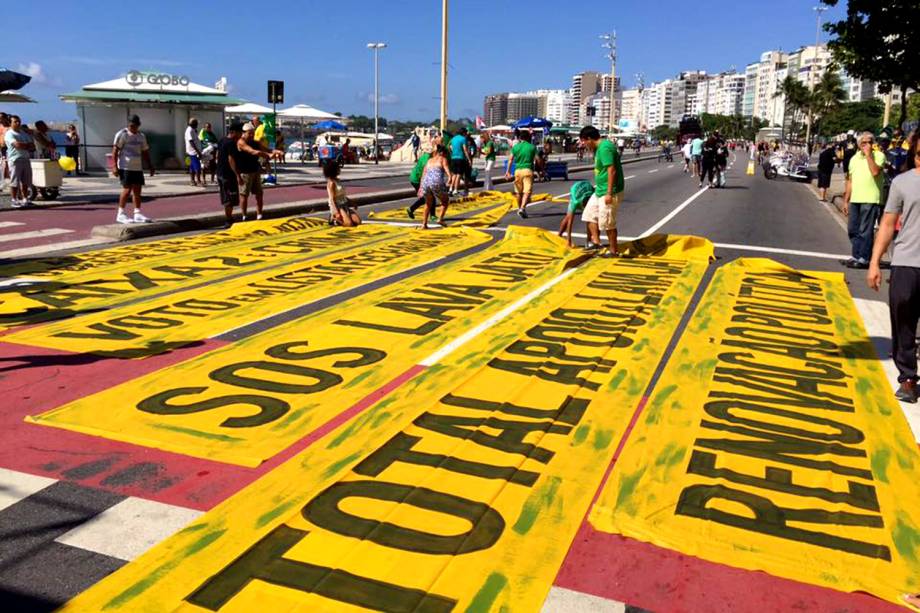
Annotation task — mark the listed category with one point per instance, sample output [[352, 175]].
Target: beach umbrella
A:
[[305, 112], [249, 108], [330, 126], [10, 79], [531, 122]]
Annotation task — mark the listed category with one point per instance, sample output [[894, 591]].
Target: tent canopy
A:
[[12, 96], [249, 108], [10, 79], [330, 126], [307, 112], [498, 128], [533, 122]]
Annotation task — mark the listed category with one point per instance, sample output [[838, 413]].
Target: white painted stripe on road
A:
[[671, 166], [674, 213], [469, 335], [14, 486], [561, 600], [129, 528], [655, 170], [877, 320], [10, 224], [5, 238], [629, 177], [810, 254], [45, 249]]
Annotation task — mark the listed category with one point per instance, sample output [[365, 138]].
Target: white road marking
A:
[[674, 213], [469, 335], [129, 528], [876, 318], [561, 600], [655, 170], [629, 177], [5, 238], [14, 486], [811, 254], [671, 166], [44, 249], [10, 224]]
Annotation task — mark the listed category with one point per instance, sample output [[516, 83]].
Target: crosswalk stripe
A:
[[15, 485], [10, 224], [18, 236], [43, 249], [129, 528]]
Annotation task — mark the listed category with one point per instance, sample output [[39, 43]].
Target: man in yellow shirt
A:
[[862, 200]]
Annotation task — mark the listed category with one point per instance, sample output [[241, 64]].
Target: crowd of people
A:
[[707, 159], [20, 144]]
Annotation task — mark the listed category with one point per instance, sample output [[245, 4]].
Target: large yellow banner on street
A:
[[246, 402], [102, 279], [165, 322], [459, 492], [773, 442]]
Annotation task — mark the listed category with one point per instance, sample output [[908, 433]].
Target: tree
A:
[[859, 116], [877, 41], [752, 127], [827, 95], [664, 132], [796, 99]]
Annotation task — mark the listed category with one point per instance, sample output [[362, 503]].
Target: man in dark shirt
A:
[[228, 175], [248, 165], [826, 161]]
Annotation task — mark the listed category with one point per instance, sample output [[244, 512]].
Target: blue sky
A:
[[318, 48]]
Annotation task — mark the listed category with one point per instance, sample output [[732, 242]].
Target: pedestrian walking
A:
[[696, 153], [209, 145], [600, 212], [129, 152], [708, 161], [4, 167], [415, 142], [827, 159], [435, 185], [579, 195], [489, 151], [279, 144], [229, 178], [721, 160], [250, 154], [688, 156], [415, 177], [193, 151], [904, 282], [460, 160], [341, 213], [861, 202], [72, 146], [19, 148], [522, 157]]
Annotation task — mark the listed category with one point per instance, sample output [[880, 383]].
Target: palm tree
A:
[[828, 94], [795, 100]]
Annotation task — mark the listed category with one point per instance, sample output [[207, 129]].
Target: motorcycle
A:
[[791, 166]]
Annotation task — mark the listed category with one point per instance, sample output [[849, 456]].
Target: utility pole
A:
[[811, 77], [376, 47], [443, 65], [610, 43]]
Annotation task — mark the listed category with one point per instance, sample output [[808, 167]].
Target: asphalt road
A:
[[751, 217]]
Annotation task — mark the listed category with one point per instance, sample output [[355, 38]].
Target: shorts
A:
[[194, 164], [460, 167], [824, 180], [523, 181], [697, 159], [20, 173], [229, 191], [597, 211], [252, 183], [130, 178]]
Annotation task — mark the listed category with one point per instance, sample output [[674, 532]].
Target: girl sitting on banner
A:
[[341, 213]]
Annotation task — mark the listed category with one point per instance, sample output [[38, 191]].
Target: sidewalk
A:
[[101, 188]]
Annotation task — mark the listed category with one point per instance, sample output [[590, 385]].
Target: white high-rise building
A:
[[584, 84], [808, 62], [553, 104], [629, 106], [657, 104], [762, 82], [722, 94]]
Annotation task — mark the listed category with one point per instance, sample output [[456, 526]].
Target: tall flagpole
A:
[[444, 66]]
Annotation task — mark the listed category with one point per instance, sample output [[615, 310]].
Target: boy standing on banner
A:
[[601, 211], [129, 152]]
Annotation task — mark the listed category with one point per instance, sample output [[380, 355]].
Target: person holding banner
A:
[[249, 153], [904, 282]]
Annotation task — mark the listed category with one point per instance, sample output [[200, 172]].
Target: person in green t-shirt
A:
[[488, 150], [600, 213], [522, 156], [415, 177]]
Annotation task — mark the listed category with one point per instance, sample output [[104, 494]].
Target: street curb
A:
[[206, 221]]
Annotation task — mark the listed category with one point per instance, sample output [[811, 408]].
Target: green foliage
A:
[[664, 132], [859, 116], [877, 41], [752, 127], [729, 126]]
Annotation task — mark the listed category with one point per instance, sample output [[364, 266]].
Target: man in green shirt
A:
[[862, 200], [600, 213], [489, 150], [522, 156]]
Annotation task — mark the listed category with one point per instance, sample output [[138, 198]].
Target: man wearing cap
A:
[[861, 201], [228, 174], [129, 153], [249, 152]]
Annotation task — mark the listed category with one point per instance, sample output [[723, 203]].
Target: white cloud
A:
[[384, 98], [39, 77]]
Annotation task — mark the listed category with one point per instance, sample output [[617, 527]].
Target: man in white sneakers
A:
[[129, 153]]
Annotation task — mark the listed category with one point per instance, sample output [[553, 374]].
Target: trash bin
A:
[[47, 177]]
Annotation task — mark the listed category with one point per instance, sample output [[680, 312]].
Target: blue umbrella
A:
[[532, 122], [12, 80], [330, 125]]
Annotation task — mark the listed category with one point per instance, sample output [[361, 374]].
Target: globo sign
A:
[[136, 78]]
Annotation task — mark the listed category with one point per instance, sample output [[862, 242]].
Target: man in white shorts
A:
[[600, 213]]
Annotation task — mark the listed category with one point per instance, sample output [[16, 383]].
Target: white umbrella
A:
[[305, 112], [11, 96], [250, 108]]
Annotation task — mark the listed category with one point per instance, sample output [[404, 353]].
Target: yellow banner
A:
[[459, 206], [773, 441], [460, 492], [246, 402], [35, 299], [166, 322]]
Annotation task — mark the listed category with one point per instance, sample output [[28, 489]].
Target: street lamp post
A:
[[610, 43], [376, 47], [811, 77], [443, 66]]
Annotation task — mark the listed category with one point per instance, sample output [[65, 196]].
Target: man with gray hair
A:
[[861, 202]]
